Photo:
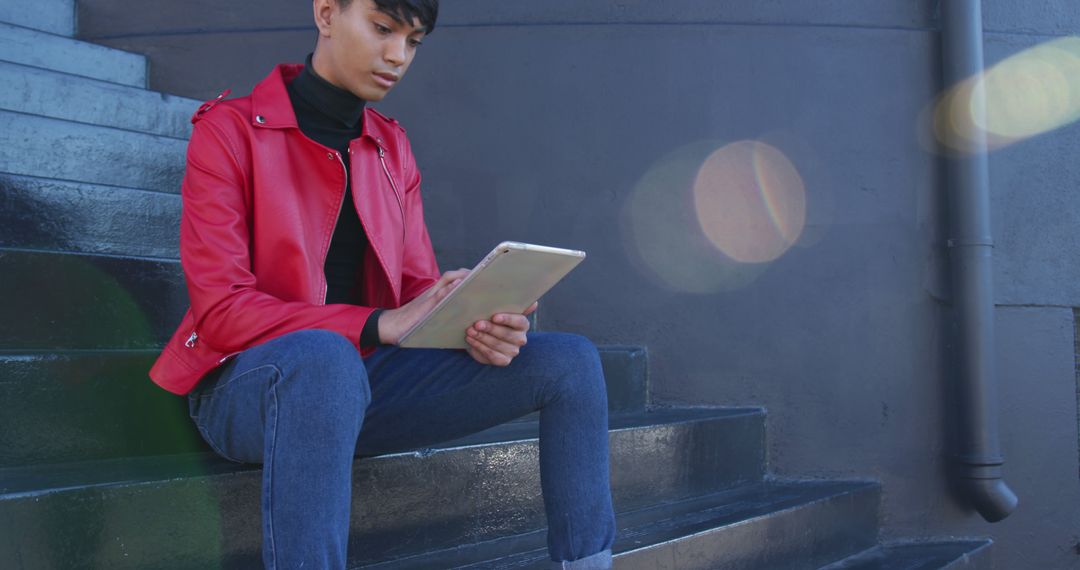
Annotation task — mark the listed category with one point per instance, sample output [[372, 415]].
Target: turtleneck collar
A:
[[336, 103]]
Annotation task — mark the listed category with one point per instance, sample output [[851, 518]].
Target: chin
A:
[[370, 95]]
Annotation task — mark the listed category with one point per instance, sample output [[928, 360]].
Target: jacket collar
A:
[[272, 109]]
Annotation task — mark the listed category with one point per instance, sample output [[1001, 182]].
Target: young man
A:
[[306, 256]]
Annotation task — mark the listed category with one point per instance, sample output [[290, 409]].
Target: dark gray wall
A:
[[547, 122]]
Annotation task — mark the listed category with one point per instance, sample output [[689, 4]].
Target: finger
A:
[[532, 308], [496, 345], [505, 341], [447, 282], [512, 321], [494, 357], [454, 274], [511, 335], [446, 289], [477, 355], [509, 346]]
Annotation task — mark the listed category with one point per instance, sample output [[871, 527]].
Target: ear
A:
[[324, 11]]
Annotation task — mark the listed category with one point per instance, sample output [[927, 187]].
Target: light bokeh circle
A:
[[750, 201], [709, 217], [1027, 94]]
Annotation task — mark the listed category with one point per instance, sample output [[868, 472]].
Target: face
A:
[[363, 50]]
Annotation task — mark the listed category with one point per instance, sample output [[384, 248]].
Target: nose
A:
[[395, 51]]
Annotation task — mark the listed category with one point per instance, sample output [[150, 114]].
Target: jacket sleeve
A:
[[419, 269], [231, 314]]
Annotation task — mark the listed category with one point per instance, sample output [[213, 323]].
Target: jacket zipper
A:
[[194, 338], [401, 205], [341, 204], [190, 343]]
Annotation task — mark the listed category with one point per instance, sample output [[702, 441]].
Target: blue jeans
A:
[[305, 404]]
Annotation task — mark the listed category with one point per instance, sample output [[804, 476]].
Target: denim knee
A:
[[572, 367], [323, 375]]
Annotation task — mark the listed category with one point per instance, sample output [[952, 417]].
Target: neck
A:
[[320, 64], [321, 99]]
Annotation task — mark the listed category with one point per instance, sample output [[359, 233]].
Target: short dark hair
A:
[[427, 11]]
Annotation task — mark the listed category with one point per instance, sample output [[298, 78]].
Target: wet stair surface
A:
[[101, 469]]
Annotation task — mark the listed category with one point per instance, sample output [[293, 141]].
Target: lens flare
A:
[[750, 201], [709, 217], [1030, 93]]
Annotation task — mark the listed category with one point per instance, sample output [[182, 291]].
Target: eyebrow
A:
[[396, 16]]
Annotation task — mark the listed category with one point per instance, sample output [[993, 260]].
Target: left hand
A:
[[499, 339]]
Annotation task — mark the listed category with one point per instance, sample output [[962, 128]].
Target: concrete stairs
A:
[[952, 555], [100, 469]]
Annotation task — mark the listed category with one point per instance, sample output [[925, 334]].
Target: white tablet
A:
[[508, 280]]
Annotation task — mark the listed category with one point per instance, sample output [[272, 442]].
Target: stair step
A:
[[630, 366], [200, 511], [740, 528], [57, 301], [60, 95], [95, 405], [110, 302], [801, 524], [941, 555], [89, 406], [52, 215], [63, 150], [53, 16], [42, 49]]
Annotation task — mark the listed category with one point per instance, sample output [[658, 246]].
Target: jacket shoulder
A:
[[384, 124], [213, 108]]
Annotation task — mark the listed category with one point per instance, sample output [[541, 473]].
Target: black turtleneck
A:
[[332, 117]]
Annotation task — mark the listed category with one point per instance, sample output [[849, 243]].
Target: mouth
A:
[[385, 78]]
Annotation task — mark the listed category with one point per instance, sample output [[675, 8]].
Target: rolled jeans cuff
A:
[[598, 561]]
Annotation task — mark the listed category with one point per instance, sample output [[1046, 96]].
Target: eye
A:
[[415, 42], [382, 29]]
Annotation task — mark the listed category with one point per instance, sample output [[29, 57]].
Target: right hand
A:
[[393, 323]]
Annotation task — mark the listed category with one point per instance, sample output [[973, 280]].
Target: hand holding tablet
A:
[[508, 280]]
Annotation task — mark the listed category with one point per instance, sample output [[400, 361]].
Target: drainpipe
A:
[[977, 453]]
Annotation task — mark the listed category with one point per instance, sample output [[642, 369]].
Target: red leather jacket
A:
[[260, 202]]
